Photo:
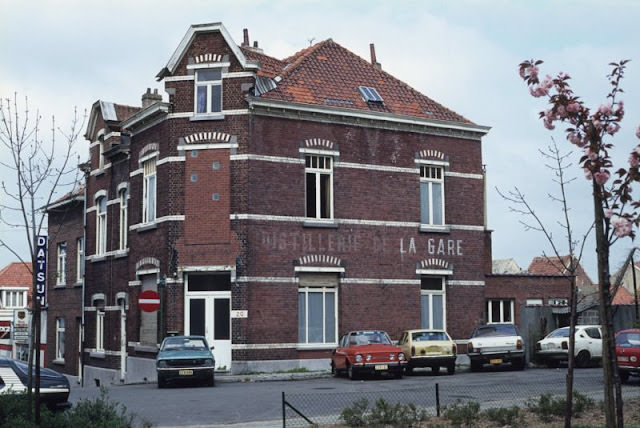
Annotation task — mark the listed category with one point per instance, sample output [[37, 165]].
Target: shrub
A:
[[462, 414], [547, 407], [383, 414], [510, 416]]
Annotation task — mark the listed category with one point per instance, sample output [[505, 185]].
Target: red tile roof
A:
[[548, 265], [623, 297], [328, 74], [16, 274]]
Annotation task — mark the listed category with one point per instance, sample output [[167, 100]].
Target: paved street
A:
[[254, 401]]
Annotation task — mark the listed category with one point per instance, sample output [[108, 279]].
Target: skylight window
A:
[[370, 94]]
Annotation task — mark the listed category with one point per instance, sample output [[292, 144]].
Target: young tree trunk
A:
[[612, 404], [572, 345]]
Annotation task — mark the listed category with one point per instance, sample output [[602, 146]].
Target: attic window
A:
[[370, 94]]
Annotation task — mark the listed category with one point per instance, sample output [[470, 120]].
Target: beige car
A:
[[428, 348]]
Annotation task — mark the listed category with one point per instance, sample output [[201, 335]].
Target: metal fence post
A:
[[284, 417], [437, 400]]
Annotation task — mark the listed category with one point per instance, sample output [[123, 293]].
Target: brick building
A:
[[276, 204]]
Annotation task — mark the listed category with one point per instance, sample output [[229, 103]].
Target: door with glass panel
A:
[[208, 314]]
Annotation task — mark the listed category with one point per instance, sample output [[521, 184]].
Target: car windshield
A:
[[369, 337], [184, 343], [630, 339], [424, 336], [561, 332], [495, 330]]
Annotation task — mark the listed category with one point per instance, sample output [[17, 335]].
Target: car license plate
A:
[[621, 358], [185, 372], [382, 367], [495, 361]]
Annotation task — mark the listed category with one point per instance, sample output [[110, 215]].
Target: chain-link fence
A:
[[325, 408]]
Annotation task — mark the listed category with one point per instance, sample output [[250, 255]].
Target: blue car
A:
[[185, 359], [54, 387]]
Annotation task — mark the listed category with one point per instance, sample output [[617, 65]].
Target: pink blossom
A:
[[574, 138], [548, 123], [605, 109], [590, 154], [633, 160], [597, 124], [573, 107], [601, 177], [612, 128], [638, 132], [608, 213], [533, 71], [637, 150], [621, 227], [620, 109]]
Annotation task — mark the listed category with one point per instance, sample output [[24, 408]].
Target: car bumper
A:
[[185, 374], [629, 369], [496, 357], [552, 355], [379, 368], [433, 361], [55, 400]]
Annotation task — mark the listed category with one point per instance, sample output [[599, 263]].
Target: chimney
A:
[[375, 63], [148, 98], [246, 37]]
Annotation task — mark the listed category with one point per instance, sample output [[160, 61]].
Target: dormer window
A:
[[370, 95], [208, 91]]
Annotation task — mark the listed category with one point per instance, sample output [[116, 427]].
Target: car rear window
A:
[[561, 332], [495, 330], [424, 336]]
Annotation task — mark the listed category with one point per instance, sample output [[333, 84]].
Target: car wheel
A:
[[212, 381], [451, 368], [475, 366], [435, 369], [582, 359], [409, 370], [553, 364], [161, 382], [518, 364], [352, 373], [624, 377]]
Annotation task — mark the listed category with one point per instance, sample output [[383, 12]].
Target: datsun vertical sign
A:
[[41, 269]]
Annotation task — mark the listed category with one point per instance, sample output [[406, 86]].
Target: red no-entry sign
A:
[[149, 301]]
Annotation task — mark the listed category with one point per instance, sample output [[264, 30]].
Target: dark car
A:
[[496, 344], [628, 353], [185, 359], [367, 352], [54, 387]]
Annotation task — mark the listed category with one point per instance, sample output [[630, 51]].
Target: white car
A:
[[554, 348], [496, 344]]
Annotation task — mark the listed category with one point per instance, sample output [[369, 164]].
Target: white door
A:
[[210, 316]]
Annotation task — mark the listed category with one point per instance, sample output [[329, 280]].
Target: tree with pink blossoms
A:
[[615, 210]]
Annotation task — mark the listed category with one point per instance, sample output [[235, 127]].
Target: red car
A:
[[628, 353], [367, 352]]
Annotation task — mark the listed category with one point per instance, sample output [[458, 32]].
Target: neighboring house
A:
[[274, 204], [587, 291], [15, 293], [628, 276], [64, 281], [505, 267]]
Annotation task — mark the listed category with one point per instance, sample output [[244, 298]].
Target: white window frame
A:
[[305, 291], [99, 330], [123, 195], [60, 333], [101, 224], [501, 302], [61, 267], [149, 190], [319, 166], [431, 175], [12, 298], [101, 152], [208, 86], [79, 259], [429, 294]]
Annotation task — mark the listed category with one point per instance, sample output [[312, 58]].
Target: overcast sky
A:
[[464, 54]]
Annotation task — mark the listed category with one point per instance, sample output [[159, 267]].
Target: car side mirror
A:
[[212, 348]]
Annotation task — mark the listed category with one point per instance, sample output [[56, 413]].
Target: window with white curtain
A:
[[123, 196], [432, 303], [318, 313], [431, 195], [149, 191], [101, 225], [61, 268], [60, 330]]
